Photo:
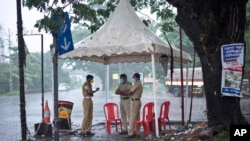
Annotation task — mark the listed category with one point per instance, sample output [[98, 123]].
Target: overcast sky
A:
[[8, 20]]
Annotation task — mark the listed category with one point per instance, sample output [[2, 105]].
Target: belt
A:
[[124, 98], [87, 97], [135, 99]]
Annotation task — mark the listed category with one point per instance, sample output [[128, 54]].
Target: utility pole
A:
[[55, 88], [22, 60]]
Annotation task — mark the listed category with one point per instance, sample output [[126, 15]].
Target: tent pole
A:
[[154, 91], [107, 81]]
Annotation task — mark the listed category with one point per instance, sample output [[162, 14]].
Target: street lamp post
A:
[[42, 78]]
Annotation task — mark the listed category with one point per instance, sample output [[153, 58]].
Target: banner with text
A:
[[232, 57]]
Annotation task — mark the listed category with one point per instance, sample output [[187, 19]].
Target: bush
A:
[[12, 93]]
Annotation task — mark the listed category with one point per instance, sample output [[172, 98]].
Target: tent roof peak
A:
[[123, 38]]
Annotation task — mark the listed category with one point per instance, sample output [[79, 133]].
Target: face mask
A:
[[121, 80], [92, 81]]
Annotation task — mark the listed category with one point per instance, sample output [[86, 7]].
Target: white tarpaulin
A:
[[123, 38]]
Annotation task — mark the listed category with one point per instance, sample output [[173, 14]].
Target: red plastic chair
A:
[[147, 119], [111, 113], [163, 117]]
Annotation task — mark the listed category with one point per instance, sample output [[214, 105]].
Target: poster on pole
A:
[[232, 57]]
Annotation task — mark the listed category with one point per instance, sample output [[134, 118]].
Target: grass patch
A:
[[224, 133]]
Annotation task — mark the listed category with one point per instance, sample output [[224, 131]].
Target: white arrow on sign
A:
[[65, 27], [66, 45]]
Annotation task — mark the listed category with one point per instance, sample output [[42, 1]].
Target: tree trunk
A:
[[210, 24]]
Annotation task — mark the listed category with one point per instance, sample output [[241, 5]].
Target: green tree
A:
[[4, 78], [173, 35], [4, 73], [208, 24], [47, 62], [33, 72], [247, 37], [79, 32], [14, 68]]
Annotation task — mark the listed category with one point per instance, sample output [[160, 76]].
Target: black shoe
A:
[[83, 134], [89, 133], [130, 136], [123, 132]]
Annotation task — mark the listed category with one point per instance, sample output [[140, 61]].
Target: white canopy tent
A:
[[125, 38]]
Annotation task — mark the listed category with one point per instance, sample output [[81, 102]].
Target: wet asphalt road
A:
[[10, 111]]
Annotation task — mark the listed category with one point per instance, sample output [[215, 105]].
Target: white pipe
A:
[[106, 82], [155, 98]]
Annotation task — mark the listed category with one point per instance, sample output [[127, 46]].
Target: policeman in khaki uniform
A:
[[135, 105], [123, 90], [87, 106]]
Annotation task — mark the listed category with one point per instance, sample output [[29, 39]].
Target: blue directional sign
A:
[[64, 40]]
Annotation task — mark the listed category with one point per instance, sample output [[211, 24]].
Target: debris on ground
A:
[[198, 132]]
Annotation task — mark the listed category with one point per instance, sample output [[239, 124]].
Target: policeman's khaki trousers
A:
[[134, 115], [125, 113], [87, 115]]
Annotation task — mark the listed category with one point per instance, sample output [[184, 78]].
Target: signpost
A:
[[64, 40], [63, 43]]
